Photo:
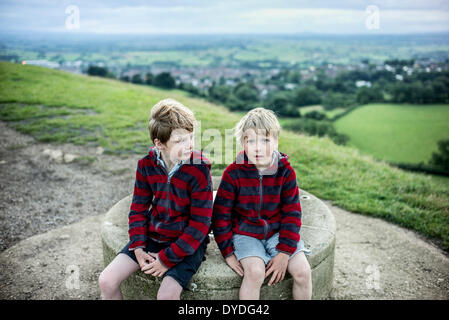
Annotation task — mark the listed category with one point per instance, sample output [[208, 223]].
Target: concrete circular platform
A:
[[215, 280]]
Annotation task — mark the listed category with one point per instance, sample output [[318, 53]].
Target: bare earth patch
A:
[[38, 193], [51, 210]]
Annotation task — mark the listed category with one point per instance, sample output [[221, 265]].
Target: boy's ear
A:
[[158, 144]]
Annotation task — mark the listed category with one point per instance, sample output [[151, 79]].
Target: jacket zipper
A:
[[167, 190], [265, 229]]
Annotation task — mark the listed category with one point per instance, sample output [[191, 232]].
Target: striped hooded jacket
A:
[[181, 205], [257, 204]]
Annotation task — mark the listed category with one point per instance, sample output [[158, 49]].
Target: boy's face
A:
[[259, 147], [179, 147]]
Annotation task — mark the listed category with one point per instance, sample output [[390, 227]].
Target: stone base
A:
[[214, 279]]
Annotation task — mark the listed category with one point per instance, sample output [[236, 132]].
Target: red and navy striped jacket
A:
[[181, 207], [256, 205]]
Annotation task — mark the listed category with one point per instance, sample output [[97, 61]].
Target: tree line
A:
[[341, 91], [163, 79]]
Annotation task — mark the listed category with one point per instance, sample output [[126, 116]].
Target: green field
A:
[[396, 133], [59, 107], [329, 113]]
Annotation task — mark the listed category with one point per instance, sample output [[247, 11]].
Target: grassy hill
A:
[[58, 107], [396, 133]]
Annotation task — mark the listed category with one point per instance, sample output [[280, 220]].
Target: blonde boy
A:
[[257, 213]]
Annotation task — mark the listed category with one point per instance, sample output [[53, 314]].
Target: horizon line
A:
[[65, 32]]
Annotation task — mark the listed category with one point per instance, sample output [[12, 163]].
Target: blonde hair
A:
[[258, 119], [168, 115]]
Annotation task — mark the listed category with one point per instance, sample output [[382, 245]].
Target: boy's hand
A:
[[155, 268], [277, 265], [234, 264], [143, 258]]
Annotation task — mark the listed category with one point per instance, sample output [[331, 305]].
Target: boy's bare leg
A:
[[170, 289], [113, 275], [253, 277], [299, 268]]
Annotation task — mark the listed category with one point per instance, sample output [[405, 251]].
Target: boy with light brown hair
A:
[[171, 210]]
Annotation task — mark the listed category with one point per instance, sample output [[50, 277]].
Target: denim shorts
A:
[[245, 246], [181, 272]]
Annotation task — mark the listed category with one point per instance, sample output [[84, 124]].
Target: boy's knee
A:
[[302, 272], [170, 289], [165, 294], [255, 273], [107, 283]]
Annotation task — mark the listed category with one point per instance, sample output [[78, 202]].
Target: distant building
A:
[[290, 86], [389, 68], [42, 63], [131, 73], [362, 83]]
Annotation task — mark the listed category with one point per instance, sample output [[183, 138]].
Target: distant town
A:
[[203, 78]]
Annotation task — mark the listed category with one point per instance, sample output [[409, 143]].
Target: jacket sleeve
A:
[[222, 215], [199, 220], [291, 214], [142, 199]]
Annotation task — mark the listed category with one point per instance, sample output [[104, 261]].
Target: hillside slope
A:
[[55, 106]]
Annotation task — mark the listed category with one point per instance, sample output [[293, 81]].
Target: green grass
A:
[[443, 180], [396, 133], [329, 113], [59, 107]]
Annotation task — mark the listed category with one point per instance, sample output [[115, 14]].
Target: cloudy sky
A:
[[226, 16]]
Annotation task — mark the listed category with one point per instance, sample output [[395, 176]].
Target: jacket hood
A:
[[196, 158]]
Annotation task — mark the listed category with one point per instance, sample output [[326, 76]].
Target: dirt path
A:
[[50, 214], [375, 259], [38, 193]]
